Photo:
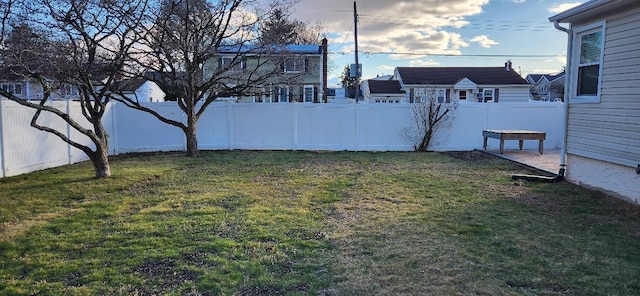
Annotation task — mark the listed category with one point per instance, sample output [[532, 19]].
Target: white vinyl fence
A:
[[227, 126]]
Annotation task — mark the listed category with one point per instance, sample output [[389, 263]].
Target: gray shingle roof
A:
[[128, 84], [452, 75], [385, 87], [550, 77]]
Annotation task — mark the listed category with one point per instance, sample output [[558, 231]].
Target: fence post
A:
[[355, 126], [294, 138], [2, 140], [230, 126], [113, 135], [70, 161]]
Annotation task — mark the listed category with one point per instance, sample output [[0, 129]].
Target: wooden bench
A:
[[514, 135]]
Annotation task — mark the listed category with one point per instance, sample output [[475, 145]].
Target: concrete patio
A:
[[548, 162]]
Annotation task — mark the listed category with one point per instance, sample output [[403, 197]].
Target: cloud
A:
[[558, 59], [558, 8], [484, 41], [518, 1], [422, 63], [406, 26]]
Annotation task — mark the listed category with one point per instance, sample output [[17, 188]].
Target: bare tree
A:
[[431, 111], [81, 45], [200, 50]]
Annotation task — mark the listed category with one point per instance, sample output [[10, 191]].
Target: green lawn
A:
[[300, 223]]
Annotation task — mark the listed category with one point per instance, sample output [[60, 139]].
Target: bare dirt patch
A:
[[470, 155]]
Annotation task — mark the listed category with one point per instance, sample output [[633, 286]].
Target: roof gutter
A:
[[567, 90]]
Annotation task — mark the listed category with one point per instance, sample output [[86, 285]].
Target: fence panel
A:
[[27, 149], [137, 131]]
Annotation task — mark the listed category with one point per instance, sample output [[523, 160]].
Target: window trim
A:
[[304, 94], [227, 62], [296, 65], [440, 95], [460, 96], [279, 94], [578, 32], [485, 96]]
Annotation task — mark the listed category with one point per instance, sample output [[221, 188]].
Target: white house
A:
[[466, 84], [603, 93], [139, 89], [383, 91]]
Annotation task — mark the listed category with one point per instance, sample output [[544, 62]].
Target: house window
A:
[[462, 95], [282, 95], [587, 60], [294, 65], [68, 90], [487, 95], [233, 64], [308, 94], [10, 88], [440, 96]]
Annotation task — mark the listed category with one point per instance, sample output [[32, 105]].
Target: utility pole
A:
[[355, 36]]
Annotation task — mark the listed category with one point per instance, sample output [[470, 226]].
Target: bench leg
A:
[[541, 146], [520, 142], [485, 143], [501, 146]]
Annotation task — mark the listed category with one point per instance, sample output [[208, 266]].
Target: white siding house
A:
[[139, 89], [383, 91], [466, 84], [603, 91]]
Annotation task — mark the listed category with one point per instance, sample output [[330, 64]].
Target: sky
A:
[[440, 33]]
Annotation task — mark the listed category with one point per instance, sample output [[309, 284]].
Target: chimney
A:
[[325, 49], [507, 66]]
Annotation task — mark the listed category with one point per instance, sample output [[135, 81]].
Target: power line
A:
[[450, 54], [487, 25]]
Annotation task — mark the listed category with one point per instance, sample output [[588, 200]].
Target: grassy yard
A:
[[300, 223]]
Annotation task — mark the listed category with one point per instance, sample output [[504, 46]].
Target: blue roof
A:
[[297, 48]]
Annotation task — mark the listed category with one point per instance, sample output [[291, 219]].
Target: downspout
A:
[[567, 90], [567, 94]]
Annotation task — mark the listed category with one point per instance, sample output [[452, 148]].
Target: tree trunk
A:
[[100, 161], [192, 136], [426, 141]]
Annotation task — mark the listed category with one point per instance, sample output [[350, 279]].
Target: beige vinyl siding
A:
[[513, 94], [609, 130]]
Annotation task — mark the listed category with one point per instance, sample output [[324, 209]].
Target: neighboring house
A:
[[30, 89], [19, 87], [466, 84], [546, 87], [603, 95], [139, 89], [302, 74], [383, 91]]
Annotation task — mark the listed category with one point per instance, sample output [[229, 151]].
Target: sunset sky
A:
[[440, 33]]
